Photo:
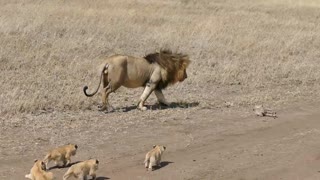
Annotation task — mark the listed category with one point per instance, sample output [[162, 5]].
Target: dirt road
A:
[[209, 144]]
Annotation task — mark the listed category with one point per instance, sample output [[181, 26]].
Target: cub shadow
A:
[[159, 106], [60, 167], [162, 165], [102, 178]]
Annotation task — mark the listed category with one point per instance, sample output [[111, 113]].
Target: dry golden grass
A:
[[253, 50]]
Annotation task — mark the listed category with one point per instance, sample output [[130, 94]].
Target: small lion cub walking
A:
[[61, 154], [38, 172], [153, 157], [83, 169]]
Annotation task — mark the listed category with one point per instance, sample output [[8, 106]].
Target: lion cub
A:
[[153, 157], [83, 169], [38, 172], [61, 154]]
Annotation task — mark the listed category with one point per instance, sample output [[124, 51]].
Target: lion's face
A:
[[161, 148], [182, 72], [181, 75]]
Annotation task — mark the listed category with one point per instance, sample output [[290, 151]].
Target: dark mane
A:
[[169, 61]]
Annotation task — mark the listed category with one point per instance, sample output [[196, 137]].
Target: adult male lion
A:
[[154, 72]]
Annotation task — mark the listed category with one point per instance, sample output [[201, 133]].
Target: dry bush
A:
[[253, 50]]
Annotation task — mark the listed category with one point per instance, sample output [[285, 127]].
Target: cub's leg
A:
[[82, 177], [152, 162], [68, 174], [67, 160], [46, 161], [159, 162], [29, 176], [92, 174], [146, 162]]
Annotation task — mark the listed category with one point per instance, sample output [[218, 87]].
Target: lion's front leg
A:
[[161, 98], [146, 93]]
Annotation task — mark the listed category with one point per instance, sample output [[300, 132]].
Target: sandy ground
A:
[[201, 143]]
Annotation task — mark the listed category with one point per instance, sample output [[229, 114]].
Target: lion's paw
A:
[[143, 108]]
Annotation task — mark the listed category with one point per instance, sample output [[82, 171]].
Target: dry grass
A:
[[247, 51]]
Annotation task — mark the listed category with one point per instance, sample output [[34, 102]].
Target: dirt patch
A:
[[201, 143]]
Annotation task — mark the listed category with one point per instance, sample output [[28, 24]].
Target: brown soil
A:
[[201, 143]]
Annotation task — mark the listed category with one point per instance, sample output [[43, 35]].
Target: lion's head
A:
[[175, 65]]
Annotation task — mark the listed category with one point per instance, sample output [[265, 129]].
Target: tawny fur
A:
[[153, 157], [154, 72], [61, 155], [259, 110], [38, 172], [82, 170]]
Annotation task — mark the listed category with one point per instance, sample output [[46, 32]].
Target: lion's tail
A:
[[86, 87]]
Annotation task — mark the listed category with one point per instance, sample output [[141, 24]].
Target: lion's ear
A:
[[184, 62], [154, 146]]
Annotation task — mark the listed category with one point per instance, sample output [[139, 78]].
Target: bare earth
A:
[[201, 143]]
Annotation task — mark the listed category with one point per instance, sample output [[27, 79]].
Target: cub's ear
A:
[[154, 146], [43, 166], [97, 161], [76, 146], [164, 147], [35, 160]]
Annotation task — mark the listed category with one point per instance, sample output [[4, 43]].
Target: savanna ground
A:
[[243, 52]]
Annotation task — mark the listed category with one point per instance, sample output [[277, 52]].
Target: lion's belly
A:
[[137, 74], [133, 84]]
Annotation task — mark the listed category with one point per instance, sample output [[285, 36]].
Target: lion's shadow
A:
[[162, 165], [102, 178], [173, 105], [59, 167]]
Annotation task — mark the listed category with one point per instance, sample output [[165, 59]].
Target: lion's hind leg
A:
[[105, 96], [113, 80], [107, 89], [152, 162], [146, 161]]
